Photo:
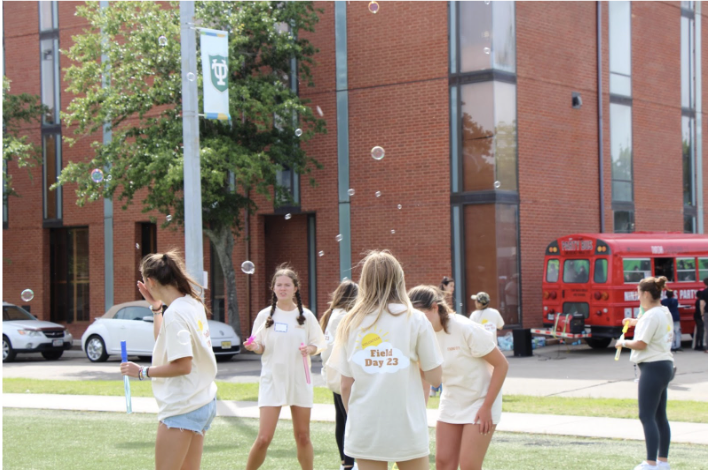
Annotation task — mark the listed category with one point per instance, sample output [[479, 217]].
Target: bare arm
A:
[[346, 384], [501, 366], [426, 388], [433, 376], [638, 345], [176, 368], [154, 305]]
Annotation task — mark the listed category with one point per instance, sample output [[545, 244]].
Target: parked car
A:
[[22, 332], [133, 322]]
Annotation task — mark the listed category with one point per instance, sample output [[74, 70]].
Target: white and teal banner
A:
[[215, 67]]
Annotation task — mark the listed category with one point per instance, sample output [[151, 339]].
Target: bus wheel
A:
[[598, 343]]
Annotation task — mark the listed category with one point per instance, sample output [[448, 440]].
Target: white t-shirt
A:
[[656, 328], [466, 376], [387, 420], [283, 380], [490, 319], [333, 379], [184, 333]]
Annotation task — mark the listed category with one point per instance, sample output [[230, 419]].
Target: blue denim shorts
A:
[[198, 420]]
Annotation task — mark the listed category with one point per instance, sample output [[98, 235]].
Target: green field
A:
[[687, 411]]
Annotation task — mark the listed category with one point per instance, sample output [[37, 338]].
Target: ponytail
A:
[[168, 269], [343, 297], [301, 317], [653, 285]]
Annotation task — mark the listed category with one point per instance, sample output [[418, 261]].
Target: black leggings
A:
[[653, 384], [341, 424], [700, 340]]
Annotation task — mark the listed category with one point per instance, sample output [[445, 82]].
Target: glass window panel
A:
[[703, 268], [505, 139], [621, 141], [508, 262], [600, 275], [620, 84], [48, 48], [132, 313], [624, 221], [576, 271], [50, 175], [475, 36], [687, 5], [576, 307], [685, 62], [552, 270], [503, 36], [687, 125], [689, 224], [636, 269], [620, 38], [47, 19], [686, 269], [622, 191]]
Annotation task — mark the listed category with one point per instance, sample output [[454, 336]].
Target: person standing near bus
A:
[[699, 317], [474, 370], [488, 317], [650, 347], [343, 299], [672, 304], [380, 349], [285, 333]]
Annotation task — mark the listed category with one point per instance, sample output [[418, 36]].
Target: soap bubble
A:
[[378, 193], [169, 218], [393, 232], [487, 50], [374, 6], [351, 192], [162, 40], [497, 184], [377, 153], [400, 207], [339, 238], [137, 246], [319, 111], [288, 216], [109, 177], [191, 76], [248, 267], [97, 175], [27, 295], [298, 132], [487, 2], [321, 254]]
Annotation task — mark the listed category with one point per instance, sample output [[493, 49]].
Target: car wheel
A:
[[224, 357], [8, 354], [52, 355], [96, 349], [598, 343], [145, 358]]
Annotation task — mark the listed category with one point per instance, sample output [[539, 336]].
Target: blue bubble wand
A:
[[126, 379]]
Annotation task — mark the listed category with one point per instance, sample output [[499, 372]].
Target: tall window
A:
[[69, 281], [51, 127], [688, 115], [621, 115], [217, 287], [485, 199]]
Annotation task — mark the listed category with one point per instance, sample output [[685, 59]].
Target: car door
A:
[[128, 325]]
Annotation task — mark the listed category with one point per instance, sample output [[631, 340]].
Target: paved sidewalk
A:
[[693, 433]]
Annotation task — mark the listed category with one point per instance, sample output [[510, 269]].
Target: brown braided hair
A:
[[286, 270]]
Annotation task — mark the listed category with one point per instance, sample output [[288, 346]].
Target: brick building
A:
[[494, 140]]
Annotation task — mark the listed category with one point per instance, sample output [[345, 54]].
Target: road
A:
[[558, 370]]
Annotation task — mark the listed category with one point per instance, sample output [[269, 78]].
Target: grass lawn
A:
[[687, 411], [87, 440]]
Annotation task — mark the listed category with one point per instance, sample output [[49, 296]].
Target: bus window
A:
[[600, 276], [552, 270], [636, 269], [577, 307], [576, 271], [664, 267], [702, 268], [686, 268]]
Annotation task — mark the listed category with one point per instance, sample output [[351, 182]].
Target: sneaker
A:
[[645, 466], [663, 465]]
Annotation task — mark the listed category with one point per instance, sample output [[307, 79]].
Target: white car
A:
[[23, 333], [133, 322]]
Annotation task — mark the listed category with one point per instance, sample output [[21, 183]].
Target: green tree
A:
[[18, 110], [142, 106]]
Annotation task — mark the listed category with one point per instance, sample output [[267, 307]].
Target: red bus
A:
[[597, 274]]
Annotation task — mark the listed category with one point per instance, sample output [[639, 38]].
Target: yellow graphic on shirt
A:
[[200, 325], [372, 339], [668, 328], [484, 321], [376, 356]]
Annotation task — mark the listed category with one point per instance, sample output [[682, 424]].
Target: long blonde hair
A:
[[382, 282]]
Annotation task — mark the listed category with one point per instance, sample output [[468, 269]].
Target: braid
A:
[[301, 317], [269, 321]]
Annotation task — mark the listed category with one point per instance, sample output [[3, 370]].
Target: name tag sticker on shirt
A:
[[281, 327]]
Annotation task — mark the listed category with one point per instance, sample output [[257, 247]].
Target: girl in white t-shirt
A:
[[490, 318], [183, 364], [380, 347], [651, 351], [343, 299], [284, 334], [474, 370]]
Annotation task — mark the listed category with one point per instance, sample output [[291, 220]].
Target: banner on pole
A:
[[215, 70]]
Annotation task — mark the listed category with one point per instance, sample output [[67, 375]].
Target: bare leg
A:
[[194, 454], [266, 430], [371, 464], [301, 429], [171, 447], [447, 445], [474, 447], [415, 464]]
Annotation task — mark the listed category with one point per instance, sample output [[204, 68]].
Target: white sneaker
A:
[[645, 466], [663, 465]]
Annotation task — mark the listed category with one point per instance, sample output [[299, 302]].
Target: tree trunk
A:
[[224, 246]]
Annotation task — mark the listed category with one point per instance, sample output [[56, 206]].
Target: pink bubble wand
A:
[[306, 365]]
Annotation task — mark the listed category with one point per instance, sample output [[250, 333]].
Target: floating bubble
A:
[[377, 153], [27, 295], [351, 192], [298, 132], [487, 50], [288, 216], [487, 2], [248, 267], [497, 184], [339, 238], [162, 40], [97, 175], [169, 218], [191, 76], [400, 207], [183, 337], [374, 6], [345, 278], [378, 193], [320, 254], [319, 111], [137, 246], [393, 232]]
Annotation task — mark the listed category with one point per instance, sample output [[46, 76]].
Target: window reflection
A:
[[487, 36], [624, 221], [48, 49], [620, 48], [621, 150]]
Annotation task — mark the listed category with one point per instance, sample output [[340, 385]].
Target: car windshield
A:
[[14, 313]]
